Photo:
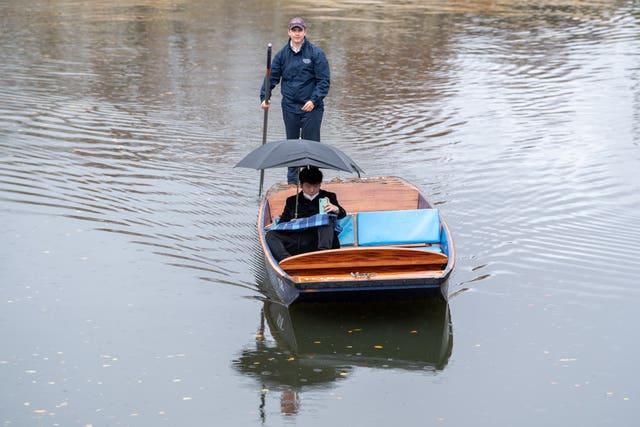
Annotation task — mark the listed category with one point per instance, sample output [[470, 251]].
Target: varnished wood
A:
[[358, 195], [327, 276], [355, 258]]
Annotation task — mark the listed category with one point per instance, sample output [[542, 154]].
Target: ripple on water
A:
[[122, 172]]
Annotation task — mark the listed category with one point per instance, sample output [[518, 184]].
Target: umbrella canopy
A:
[[298, 153]]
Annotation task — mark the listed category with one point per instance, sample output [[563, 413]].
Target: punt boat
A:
[[394, 241]]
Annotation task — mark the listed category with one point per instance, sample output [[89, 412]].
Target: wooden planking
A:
[[374, 196], [355, 258], [359, 195], [328, 276]]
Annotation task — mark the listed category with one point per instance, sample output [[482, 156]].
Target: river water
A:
[[131, 283]]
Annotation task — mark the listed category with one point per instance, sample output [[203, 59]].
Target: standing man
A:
[[304, 71]]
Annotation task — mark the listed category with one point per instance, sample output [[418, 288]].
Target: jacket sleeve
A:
[[289, 209], [334, 201], [323, 77]]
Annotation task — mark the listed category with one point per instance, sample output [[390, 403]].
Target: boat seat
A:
[[398, 227]]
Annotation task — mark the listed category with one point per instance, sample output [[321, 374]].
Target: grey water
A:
[[131, 282]]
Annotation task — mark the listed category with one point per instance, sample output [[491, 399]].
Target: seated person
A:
[[284, 244]]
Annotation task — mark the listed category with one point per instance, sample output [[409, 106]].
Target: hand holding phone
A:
[[322, 202]]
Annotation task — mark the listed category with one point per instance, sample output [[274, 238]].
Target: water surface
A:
[[131, 283]]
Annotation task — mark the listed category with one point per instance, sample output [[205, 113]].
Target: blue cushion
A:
[[431, 248], [346, 235], [398, 227]]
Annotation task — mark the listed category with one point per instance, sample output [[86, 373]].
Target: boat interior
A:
[[391, 231], [359, 195]]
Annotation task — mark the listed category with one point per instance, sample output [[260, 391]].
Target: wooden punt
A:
[[389, 251]]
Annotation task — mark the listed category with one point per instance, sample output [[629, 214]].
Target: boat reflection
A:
[[317, 344]]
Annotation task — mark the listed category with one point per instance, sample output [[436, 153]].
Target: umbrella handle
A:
[[267, 97]]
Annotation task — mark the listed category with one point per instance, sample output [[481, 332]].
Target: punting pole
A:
[[267, 96]]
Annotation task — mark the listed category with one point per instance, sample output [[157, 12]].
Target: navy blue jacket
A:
[[305, 76]]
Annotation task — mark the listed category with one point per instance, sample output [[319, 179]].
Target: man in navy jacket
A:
[[303, 69]]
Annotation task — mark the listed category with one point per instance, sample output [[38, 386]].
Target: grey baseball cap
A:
[[297, 22]]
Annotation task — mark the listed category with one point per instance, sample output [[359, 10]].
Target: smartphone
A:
[[321, 203]]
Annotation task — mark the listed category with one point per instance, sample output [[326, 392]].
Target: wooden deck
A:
[[356, 263], [358, 257], [358, 195]]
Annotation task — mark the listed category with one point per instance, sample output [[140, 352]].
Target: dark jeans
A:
[[284, 244], [302, 125]]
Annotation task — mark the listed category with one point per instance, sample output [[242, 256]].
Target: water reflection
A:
[[314, 345]]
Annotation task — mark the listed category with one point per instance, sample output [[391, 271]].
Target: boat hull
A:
[[387, 270]]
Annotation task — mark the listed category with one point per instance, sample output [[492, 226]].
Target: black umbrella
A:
[[298, 153]]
